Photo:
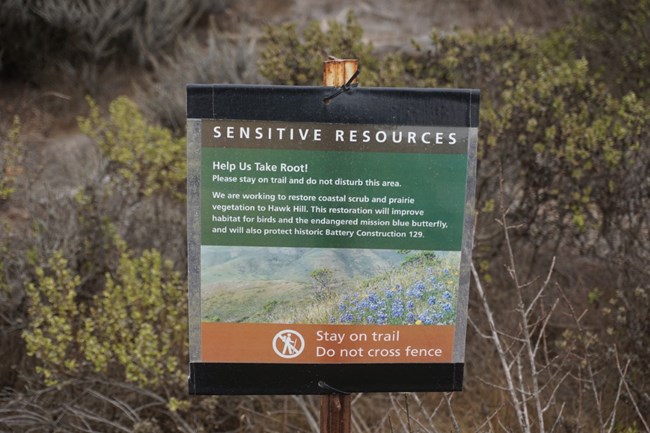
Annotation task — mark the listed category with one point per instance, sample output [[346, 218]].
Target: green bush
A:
[[105, 320], [615, 36], [486, 60], [133, 330], [139, 189], [294, 58], [143, 158], [79, 269], [571, 153]]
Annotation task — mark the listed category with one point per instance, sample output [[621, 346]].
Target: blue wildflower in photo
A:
[[397, 310], [415, 294]]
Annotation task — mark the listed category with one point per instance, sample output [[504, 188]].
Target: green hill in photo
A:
[[249, 283]]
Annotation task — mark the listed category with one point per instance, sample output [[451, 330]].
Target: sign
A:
[[329, 244]]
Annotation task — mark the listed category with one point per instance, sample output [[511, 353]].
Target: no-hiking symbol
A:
[[288, 344]]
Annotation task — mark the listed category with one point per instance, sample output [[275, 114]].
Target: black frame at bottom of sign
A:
[[246, 379]]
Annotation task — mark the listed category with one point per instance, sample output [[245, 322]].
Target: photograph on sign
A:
[[320, 240]]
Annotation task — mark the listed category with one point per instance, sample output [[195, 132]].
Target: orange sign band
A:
[[268, 343]]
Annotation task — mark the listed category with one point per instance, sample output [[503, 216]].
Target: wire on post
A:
[[340, 73]]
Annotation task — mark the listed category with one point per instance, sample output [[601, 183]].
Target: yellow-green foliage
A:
[[294, 58], [144, 156], [573, 142], [53, 312], [614, 35], [133, 329], [11, 155], [484, 59]]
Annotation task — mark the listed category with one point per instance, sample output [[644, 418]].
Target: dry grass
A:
[[79, 40], [213, 58]]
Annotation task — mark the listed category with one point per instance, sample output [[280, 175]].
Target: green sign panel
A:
[[357, 197]]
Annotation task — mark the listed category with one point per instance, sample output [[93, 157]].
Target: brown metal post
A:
[[336, 413], [336, 409], [337, 72]]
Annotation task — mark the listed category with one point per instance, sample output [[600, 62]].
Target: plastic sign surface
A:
[[329, 244]]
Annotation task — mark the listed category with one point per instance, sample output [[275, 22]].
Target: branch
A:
[[623, 372], [497, 343]]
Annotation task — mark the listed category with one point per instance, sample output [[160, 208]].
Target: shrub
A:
[[133, 330], [572, 155], [139, 189], [122, 350], [323, 283], [485, 59], [613, 35], [104, 320], [294, 58], [568, 151], [143, 158]]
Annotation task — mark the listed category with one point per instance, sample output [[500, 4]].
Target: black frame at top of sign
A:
[[390, 106], [386, 106]]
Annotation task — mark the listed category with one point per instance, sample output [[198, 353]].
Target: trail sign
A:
[[329, 243]]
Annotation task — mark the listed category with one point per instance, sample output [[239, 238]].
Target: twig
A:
[[397, 408], [623, 372], [408, 415], [447, 396], [499, 347], [557, 419], [313, 422], [489, 419]]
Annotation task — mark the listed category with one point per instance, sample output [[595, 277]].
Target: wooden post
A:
[[337, 72], [336, 409], [336, 413]]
